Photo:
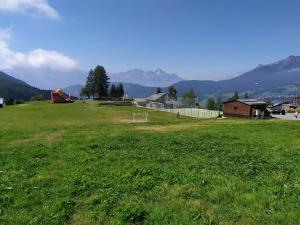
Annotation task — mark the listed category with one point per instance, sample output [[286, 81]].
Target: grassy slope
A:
[[69, 164]]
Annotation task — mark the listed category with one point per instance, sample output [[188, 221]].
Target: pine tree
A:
[[112, 91], [235, 96], [246, 95], [90, 86], [121, 90], [101, 81]]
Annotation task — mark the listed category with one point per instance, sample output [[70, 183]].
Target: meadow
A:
[[84, 164]]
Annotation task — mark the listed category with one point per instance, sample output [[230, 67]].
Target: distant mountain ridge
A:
[[12, 88], [260, 81], [256, 82], [264, 80], [157, 78]]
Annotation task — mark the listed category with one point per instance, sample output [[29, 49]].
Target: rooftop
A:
[[155, 97], [139, 99], [249, 101]]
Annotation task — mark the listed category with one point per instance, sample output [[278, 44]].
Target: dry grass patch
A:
[[132, 121], [166, 128], [45, 138]]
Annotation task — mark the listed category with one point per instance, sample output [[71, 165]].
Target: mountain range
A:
[[157, 78], [264, 80], [270, 80], [47, 78]]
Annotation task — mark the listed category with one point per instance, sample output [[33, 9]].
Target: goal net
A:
[[139, 117]]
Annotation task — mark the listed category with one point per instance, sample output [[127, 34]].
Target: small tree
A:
[[219, 104], [172, 92], [246, 95], [235, 96], [211, 104], [37, 98], [85, 92], [158, 90], [189, 98]]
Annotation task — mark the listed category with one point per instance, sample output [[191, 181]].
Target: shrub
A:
[[37, 98], [10, 101], [20, 102]]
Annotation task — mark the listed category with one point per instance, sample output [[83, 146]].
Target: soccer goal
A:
[[139, 117]]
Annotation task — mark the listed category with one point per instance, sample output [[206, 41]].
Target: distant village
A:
[[235, 107]]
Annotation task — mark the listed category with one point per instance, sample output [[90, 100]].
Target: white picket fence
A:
[[192, 112]]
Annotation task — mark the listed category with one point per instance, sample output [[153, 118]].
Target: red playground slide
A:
[[57, 96]]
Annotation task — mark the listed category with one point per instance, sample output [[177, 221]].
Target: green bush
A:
[[20, 102], [37, 98], [10, 101]]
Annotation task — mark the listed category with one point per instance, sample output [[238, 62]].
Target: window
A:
[[235, 107]]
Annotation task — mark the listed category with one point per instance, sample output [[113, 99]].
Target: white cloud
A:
[[34, 7], [37, 58], [42, 58]]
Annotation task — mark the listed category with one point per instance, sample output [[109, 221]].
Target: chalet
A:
[[153, 101], [1, 102], [245, 108], [156, 100], [142, 102]]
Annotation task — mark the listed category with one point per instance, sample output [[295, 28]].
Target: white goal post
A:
[[139, 117]]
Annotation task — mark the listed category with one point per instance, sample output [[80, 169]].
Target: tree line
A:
[[98, 85]]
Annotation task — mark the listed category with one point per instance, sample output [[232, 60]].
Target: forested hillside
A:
[[11, 88]]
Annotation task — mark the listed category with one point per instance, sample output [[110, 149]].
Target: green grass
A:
[[74, 164]]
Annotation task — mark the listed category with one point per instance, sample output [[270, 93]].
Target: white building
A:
[[1, 102]]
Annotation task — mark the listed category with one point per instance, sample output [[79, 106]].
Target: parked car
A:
[[277, 111]]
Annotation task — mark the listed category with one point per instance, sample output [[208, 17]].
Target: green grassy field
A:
[[75, 164]]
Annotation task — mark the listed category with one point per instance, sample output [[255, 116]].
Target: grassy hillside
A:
[[75, 164]]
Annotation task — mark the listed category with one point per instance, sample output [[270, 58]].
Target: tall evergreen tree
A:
[[172, 92], [246, 95], [116, 91], [90, 84], [112, 91], [101, 81], [121, 90]]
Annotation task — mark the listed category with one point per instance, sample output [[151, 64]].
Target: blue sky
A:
[[198, 39]]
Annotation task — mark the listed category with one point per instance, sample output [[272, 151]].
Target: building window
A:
[[235, 108]]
